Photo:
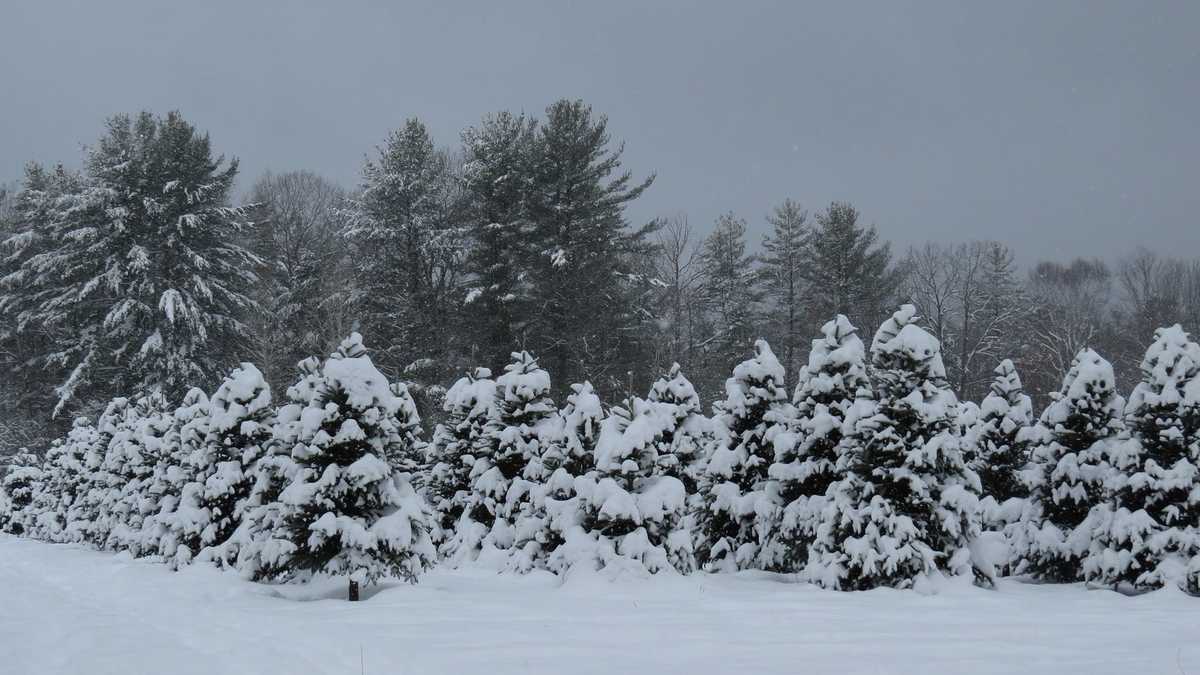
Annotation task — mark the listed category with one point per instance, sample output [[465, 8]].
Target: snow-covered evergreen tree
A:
[[262, 542], [348, 513], [1071, 445], [729, 531], [469, 405], [21, 483], [86, 522], [66, 480], [178, 521], [239, 426], [524, 428], [1144, 535], [999, 454], [409, 457], [145, 281], [814, 457], [686, 440], [913, 502]]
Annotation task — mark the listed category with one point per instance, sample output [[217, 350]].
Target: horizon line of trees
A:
[[138, 272]]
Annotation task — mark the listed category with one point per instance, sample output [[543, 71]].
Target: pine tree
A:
[[66, 480], [581, 247], [582, 418], [496, 185], [730, 295], [1071, 445], [729, 534], [86, 519], [144, 277], [524, 428], [785, 254], [848, 271], [21, 483], [348, 514], [814, 457], [469, 405], [263, 542], [178, 523], [400, 225], [999, 453], [1147, 530], [916, 500], [409, 456], [687, 435], [239, 427]]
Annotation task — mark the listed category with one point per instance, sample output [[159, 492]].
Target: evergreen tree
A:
[[496, 185], [582, 418], [848, 270], [524, 428], [469, 406], [687, 434], [785, 254], [999, 453], [178, 520], [405, 252], [1147, 530], [21, 483], [814, 457], [730, 295], [348, 514], [733, 489], [581, 245], [1071, 445], [143, 277], [916, 501], [239, 427], [66, 480]]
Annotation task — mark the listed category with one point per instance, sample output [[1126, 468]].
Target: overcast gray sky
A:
[[1061, 128]]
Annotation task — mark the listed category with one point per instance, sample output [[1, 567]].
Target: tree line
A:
[[872, 473], [138, 272]]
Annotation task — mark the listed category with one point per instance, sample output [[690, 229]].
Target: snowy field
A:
[[65, 609]]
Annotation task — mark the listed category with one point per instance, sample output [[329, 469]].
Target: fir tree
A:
[[848, 271], [687, 435], [915, 501], [348, 514], [21, 483], [999, 453], [730, 294], [1071, 445], [785, 254], [729, 534], [1148, 529], [813, 458], [469, 406]]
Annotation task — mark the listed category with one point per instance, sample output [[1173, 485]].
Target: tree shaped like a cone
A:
[[1000, 452], [469, 405], [916, 500], [1071, 444], [1147, 531], [736, 474], [686, 439], [808, 461], [348, 513]]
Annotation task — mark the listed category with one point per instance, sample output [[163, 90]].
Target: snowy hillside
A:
[[71, 610]]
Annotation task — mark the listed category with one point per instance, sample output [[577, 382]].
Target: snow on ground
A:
[[65, 609]]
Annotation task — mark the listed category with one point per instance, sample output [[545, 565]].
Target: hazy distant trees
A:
[[137, 274]]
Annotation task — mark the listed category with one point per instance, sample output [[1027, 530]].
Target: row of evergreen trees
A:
[[871, 474]]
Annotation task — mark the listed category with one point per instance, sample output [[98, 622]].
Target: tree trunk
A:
[[353, 591]]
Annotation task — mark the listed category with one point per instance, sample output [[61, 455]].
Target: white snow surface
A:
[[73, 610]]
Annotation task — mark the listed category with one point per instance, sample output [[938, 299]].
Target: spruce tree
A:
[[916, 500], [733, 488], [178, 521], [814, 457], [1000, 453], [687, 435], [21, 484], [848, 271], [730, 295], [348, 514], [469, 405], [239, 427], [1071, 446], [1147, 530]]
